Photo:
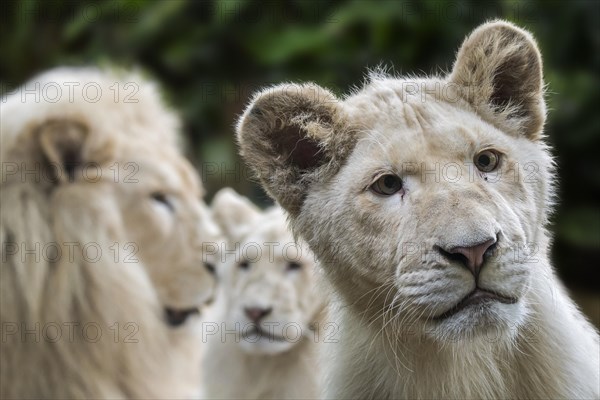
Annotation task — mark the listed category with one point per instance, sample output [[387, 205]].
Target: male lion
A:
[[426, 201], [264, 328], [102, 227]]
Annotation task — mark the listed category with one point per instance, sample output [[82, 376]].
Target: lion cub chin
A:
[[262, 329], [426, 201]]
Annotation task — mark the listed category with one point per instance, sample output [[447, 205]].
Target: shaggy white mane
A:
[[82, 301]]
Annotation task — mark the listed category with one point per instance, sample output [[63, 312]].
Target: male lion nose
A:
[[472, 257], [255, 314]]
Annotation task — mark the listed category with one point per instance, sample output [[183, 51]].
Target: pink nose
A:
[[474, 256], [255, 314]]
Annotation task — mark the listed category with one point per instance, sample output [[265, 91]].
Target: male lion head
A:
[[268, 289], [114, 215], [107, 153], [424, 199]]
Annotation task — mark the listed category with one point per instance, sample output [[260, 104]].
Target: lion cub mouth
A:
[[177, 317], [258, 331], [476, 297]]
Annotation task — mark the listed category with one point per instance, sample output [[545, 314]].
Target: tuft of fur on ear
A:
[[234, 213], [498, 70], [61, 142], [293, 136]]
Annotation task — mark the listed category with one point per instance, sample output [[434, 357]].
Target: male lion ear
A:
[[61, 143], [234, 214], [498, 70], [293, 136]]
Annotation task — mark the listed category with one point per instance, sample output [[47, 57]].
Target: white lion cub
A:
[[430, 199], [261, 333]]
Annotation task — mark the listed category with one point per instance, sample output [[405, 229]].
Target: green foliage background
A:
[[211, 55]]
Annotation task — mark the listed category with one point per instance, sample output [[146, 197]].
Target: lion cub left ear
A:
[[294, 137], [498, 70], [235, 214]]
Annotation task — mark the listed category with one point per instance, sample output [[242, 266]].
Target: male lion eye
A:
[[210, 267], [487, 160], [244, 265], [387, 185]]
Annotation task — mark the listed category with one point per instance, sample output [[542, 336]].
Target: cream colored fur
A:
[[240, 364], [96, 319], [319, 157]]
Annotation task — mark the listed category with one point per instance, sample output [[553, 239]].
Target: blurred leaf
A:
[[580, 227]]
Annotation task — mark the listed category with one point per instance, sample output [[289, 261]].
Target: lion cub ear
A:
[[235, 214], [498, 70], [62, 146], [293, 136]]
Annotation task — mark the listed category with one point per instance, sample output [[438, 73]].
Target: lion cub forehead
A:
[[270, 231], [409, 121]]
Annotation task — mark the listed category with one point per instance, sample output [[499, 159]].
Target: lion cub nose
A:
[[255, 314], [474, 256]]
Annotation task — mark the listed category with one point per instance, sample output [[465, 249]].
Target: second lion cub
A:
[[261, 343]]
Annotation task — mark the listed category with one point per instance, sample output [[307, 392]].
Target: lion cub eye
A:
[[293, 266], [387, 185], [487, 160], [163, 199]]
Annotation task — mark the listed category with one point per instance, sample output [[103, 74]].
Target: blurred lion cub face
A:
[[428, 195], [268, 285]]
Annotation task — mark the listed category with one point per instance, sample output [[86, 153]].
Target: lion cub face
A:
[[436, 208], [268, 291], [423, 199]]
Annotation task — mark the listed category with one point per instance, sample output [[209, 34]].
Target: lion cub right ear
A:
[[294, 136], [62, 148], [499, 72], [234, 213]]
